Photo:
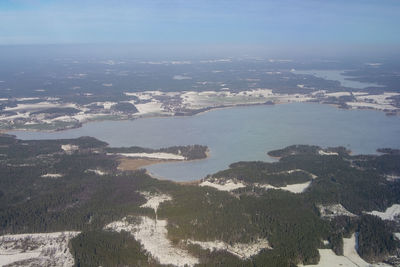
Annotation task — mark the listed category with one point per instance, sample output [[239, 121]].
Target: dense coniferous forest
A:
[[84, 201]]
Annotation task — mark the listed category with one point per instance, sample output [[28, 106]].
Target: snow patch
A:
[[157, 155], [334, 210], [69, 148], [44, 249], [154, 200], [294, 188], [391, 214], [152, 234], [106, 105], [350, 256], [228, 185], [338, 94], [327, 153], [97, 171], [241, 250], [150, 107], [52, 175], [39, 106]]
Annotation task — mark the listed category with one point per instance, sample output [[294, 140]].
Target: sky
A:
[[246, 22]]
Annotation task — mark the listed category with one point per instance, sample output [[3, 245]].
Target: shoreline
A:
[[194, 113], [141, 163]]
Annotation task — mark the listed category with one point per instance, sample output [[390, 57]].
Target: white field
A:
[[241, 250], [45, 249], [39, 106], [294, 188], [327, 153], [150, 107], [392, 213], [228, 185], [27, 98], [157, 155], [152, 235], [52, 175], [338, 94], [97, 171], [194, 100], [334, 210], [379, 102], [69, 148], [106, 105]]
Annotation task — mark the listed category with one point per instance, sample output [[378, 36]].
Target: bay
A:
[[243, 134]]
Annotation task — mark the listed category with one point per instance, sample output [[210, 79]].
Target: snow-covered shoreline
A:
[[156, 103], [155, 155]]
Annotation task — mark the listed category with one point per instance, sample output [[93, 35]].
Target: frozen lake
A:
[[243, 134]]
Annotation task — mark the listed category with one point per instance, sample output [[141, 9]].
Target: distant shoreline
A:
[[194, 113]]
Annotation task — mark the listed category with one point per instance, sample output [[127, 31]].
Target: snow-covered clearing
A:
[[228, 185], [327, 153], [150, 107], [27, 99], [97, 171], [44, 249], [334, 210], [154, 200], [157, 155], [350, 256], [152, 234], [338, 94], [39, 106], [106, 105], [397, 236], [52, 175], [233, 184], [294, 188], [392, 213], [241, 250], [69, 148], [379, 102]]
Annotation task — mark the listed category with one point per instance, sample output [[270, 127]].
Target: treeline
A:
[[375, 240], [305, 150], [277, 174], [104, 248]]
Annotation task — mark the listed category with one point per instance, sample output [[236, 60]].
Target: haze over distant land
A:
[[182, 27]]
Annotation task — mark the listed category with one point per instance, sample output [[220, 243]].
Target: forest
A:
[[84, 201]]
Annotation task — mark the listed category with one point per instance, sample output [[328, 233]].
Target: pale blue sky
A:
[[286, 22]]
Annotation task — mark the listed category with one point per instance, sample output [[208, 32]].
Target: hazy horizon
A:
[[288, 23]]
